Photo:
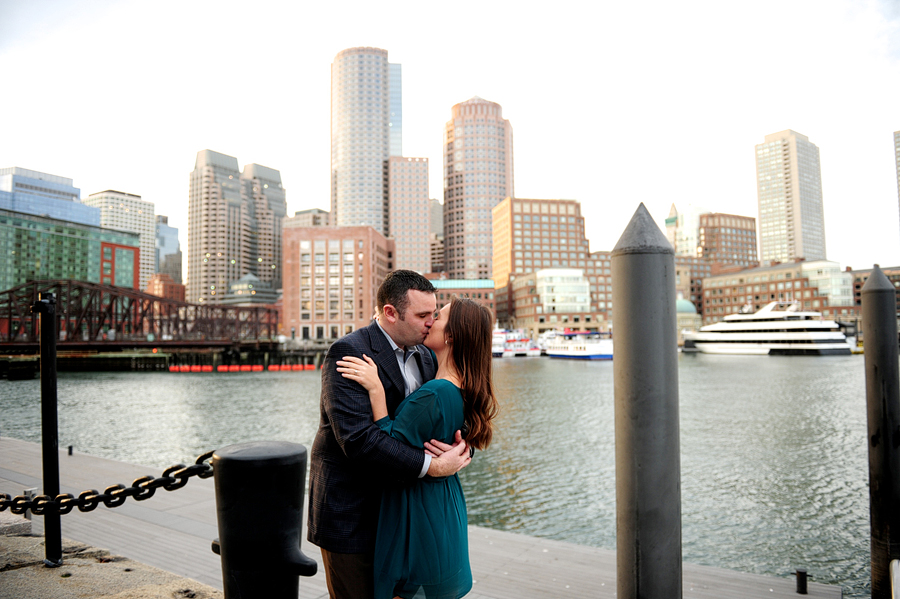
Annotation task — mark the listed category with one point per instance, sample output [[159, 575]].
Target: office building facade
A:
[[366, 129], [478, 175], [410, 210], [234, 225], [128, 212], [32, 192], [314, 217], [789, 187], [331, 277], [683, 229], [168, 249], [42, 248], [728, 240]]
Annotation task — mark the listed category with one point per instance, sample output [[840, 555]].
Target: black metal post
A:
[[879, 313], [259, 532], [46, 307], [645, 367]]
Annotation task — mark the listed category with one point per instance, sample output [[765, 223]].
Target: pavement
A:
[[86, 572]]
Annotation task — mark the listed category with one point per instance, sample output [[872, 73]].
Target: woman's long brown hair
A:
[[468, 329]]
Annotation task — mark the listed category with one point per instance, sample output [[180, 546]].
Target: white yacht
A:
[[581, 346], [779, 328], [513, 344]]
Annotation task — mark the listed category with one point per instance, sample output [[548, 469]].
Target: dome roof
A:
[[684, 306]]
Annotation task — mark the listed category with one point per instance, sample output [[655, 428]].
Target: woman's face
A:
[[435, 338]]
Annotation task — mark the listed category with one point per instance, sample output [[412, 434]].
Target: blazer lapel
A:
[[387, 363]]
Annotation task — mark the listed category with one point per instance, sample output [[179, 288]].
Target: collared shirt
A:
[[412, 377]]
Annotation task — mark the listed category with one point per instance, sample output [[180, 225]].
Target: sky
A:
[[611, 103]]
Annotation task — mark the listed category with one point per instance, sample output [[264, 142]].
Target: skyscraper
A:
[[410, 210], [478, 175], [168, 249], [682, 229], [789, 187], [234, 225], [128, 212], [366, 127]]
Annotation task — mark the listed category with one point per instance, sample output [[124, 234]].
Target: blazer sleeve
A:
[[346, 405]]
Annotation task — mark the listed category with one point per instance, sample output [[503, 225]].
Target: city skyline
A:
[[619, 106]]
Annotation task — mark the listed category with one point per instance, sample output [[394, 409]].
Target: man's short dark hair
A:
[[394, 288]]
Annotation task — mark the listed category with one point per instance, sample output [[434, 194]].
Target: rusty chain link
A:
[[142, 488]]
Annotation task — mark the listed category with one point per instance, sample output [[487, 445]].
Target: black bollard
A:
[[260, 531], [879, 305], [46, 307], [801, 581]]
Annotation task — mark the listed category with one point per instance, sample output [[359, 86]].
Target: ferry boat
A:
[[513, 344], [581, 345], [779, 328]]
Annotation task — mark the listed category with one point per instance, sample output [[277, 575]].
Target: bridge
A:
[[92, 317]]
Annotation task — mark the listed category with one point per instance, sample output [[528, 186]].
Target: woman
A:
[[422, 540]]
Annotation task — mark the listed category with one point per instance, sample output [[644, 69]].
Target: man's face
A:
[[411, 327]]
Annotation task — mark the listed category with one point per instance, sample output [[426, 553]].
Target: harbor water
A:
[[773, 449]]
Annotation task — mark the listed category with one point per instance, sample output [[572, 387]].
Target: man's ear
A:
[[390, 312]]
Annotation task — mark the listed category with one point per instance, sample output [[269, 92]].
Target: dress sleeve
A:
[[417, 420]]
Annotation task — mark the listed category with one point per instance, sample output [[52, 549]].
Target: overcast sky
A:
[[611, 104]]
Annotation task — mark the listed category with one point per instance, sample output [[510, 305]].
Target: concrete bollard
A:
[[879, 305], [259, 506], [645, 366]]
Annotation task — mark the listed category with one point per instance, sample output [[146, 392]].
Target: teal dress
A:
[[422, 543]]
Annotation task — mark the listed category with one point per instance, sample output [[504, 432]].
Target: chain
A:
[[142, 488]]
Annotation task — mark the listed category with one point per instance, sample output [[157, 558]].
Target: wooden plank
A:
[[173, 531]]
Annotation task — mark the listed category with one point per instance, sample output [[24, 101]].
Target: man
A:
[[352, 458]]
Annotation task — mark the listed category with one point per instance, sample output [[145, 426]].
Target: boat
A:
[[779, 328], [581, 345], [513, 344], [545, 338]]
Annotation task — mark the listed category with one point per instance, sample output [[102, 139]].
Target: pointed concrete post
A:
[[879, 314], [648, 462]]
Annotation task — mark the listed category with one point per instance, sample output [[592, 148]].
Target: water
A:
[[773, 449]]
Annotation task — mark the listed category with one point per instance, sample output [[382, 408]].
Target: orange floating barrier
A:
[[206, 368], [196, 368], [222, 368], [274, 367], [245, 368], [173, 369], [184, 369], [309, 367], [296, 366], [256, 368], [234, 368]]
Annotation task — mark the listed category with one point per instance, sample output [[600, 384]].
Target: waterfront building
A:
[[410, 212], [819, 286], [32, 192], [314, 217], [43, 248], [128, 212], [168, 249], [690, 271], [436, 249], [529, 235], [727, 240], [478, 175], [553, 298], [686, 319], [683, 230], [234, 225], [862, 275], [789, 187], [436, 218], [480, 290], [599, 274], [162, 285], [331, 277], [366, 127]]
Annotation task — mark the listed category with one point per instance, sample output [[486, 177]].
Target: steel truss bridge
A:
[[104, 317]]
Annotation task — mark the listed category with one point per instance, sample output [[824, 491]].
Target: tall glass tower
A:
[[789, 188], [478, 175], [366, 127]]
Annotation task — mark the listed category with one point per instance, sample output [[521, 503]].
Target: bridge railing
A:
[[94, 313]]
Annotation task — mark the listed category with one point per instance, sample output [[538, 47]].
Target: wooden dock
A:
[[173, 531]]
